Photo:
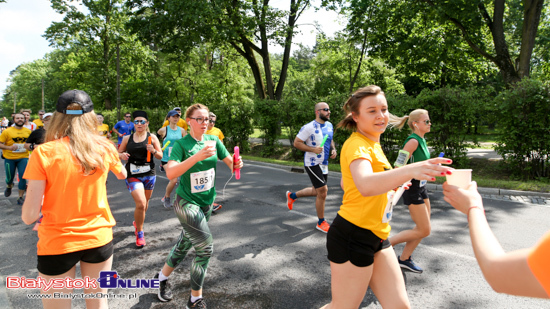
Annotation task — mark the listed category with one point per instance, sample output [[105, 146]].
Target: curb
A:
[[429, 186]]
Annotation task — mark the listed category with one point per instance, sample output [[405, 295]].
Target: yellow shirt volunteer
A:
[[216, 132], [103, 129], [181, 123], [39, 123], [13, 136], [364, 211]]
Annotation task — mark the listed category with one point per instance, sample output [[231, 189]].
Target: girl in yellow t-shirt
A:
[[358, 236]]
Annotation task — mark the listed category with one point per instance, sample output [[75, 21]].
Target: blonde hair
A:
[[399, 122], [85, 143], [353, 104], [191, 109]]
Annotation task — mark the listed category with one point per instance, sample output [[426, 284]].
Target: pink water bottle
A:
[[235, 158]]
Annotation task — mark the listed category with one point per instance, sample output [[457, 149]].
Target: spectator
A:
[[38, 121], [12, 143]]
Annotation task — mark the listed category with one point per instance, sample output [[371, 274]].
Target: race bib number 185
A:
[[202, 181]]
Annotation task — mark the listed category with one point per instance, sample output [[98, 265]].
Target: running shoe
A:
[[140, 239], [409, 265], [166, 202], [20, 201], [199, 304], [216, 207], [323, 227], [289, 200], [161, 168], [7, 192], [165, 293]]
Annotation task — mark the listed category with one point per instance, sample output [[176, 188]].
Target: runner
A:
[[70, 171], [138, 150], [309, 140], [359, 252], [216, 132], [181, 122], [29, 125], [194, 158], [416, 198], [170, 134], [124, 127], [103, 128], [38, 121], [12, 143]]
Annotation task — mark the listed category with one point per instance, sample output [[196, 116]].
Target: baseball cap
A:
[[177, 108], [74, 96], [172, 113], [46, 115]]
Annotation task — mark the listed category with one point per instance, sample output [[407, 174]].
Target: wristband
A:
[[468, 214]]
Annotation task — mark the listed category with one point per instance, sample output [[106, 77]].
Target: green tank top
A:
[[421, 153]]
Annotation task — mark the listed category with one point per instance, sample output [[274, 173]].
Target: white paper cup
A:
[[210, 143], [460, 178]]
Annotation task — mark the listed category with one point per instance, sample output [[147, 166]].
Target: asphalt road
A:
[[268, 257]]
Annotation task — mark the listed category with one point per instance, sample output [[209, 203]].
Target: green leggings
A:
[[196, 233]]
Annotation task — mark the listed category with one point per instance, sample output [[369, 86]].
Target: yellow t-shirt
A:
[[12, 136], [216, 132], [103, 129], [363, 211], [75, 208], [181, 123], [39, 123], [538, 262]]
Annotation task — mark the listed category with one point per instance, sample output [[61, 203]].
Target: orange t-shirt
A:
[[75, 209], [538, 262]]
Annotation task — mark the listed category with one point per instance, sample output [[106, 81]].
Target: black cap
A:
[[74, 96], [140, 114]]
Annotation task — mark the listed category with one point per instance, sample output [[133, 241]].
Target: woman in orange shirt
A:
[[70, 171]]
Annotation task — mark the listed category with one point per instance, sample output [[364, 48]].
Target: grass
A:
[[488, 173]]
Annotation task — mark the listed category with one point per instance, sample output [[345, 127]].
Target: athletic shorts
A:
[[145, 182], [348, 242], [318, 179], [416, 194], [53, 265]]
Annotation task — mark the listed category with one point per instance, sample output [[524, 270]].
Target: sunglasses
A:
[[324, 109], [140, 121], [201, 120], [127, 116], [427, 122], [212, 121]]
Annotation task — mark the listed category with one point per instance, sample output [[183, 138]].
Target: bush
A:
[[525, 122], [268, 117]]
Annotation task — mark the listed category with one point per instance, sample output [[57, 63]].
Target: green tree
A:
[[26, 86], [94, 36], [249, 27]]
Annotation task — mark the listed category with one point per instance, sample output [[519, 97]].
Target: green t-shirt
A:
[[421, 153], [198, 184]]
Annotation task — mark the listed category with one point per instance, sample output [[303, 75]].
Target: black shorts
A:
[[53, 265], [416, 194], [318, 179], [348, 242]]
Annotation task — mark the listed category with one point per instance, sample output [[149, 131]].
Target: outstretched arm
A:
[[506, 272]]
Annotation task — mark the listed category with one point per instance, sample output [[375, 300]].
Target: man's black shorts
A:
[[318, 179]]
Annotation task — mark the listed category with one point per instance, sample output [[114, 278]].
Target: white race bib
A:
[[139, 169], [389, 207], [422, 183], [20, 148], [202, 181], [169, 151], [324, 169]]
